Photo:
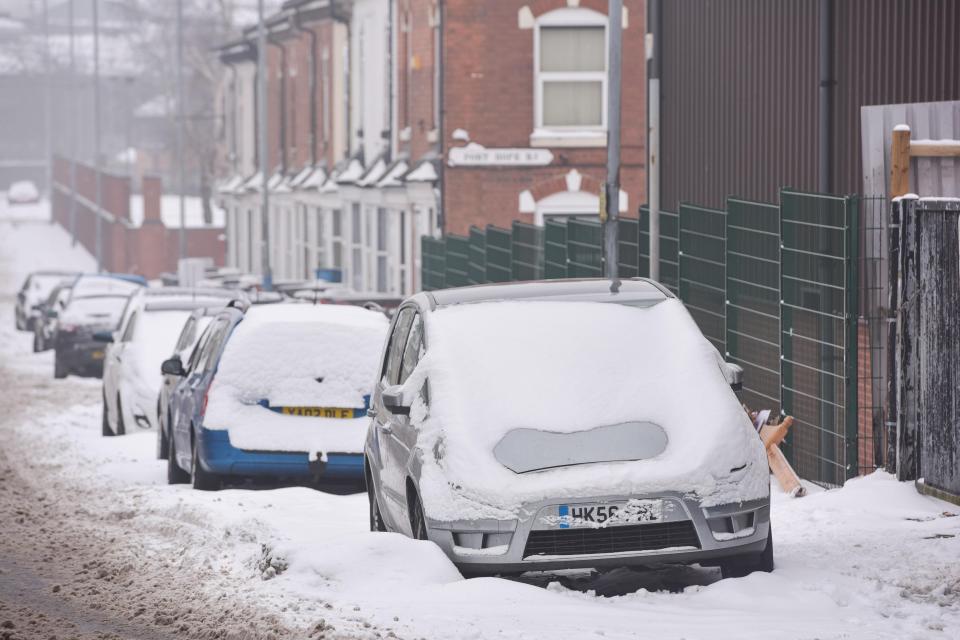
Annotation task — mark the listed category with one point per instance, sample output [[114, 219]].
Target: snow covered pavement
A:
[[90, 535]]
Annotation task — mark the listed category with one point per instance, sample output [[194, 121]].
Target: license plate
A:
[[610, 514], [317, 412], [97, 355]]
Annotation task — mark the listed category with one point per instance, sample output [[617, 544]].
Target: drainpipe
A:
[[653, 133], [233, 117], [442, 213], [283, 101], [826, 89], [388, 134], [297, 25]]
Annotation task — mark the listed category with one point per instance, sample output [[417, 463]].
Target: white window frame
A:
[[573, 136]]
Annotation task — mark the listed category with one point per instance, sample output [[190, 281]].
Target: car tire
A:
[[60, 369], [121, 427], [418, 522], [741, 566], [105, 421], [175, 475], [376, 519], [163, 441], [202, 480], [19, 322]]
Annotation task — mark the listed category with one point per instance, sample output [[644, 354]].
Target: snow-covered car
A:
[[149, 329], [275, 391], [96, 303], [23, 192], [34, 292], [44, 326], [564, 424]]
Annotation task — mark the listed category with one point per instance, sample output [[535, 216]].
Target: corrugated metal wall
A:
[[740, 85]]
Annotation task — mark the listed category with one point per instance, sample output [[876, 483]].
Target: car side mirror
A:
[[393, 401], [103, 336], [735, 376], [172, 367], [52, 313]]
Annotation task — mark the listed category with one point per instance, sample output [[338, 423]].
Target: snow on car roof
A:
[[567, 367], [615, 290]]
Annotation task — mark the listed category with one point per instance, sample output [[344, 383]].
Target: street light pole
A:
[[262, 144], [180, 179], [96, 135], [74, 85], [612, 186], [47, 100], [653, 133]]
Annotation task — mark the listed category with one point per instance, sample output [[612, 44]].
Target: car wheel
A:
[[19, 320], [741, 566], [37, 347], [163, 441], [376, 520], [121, 427], [107, 431], [60, 369], [175, 475], [418, 523], [202, 480]]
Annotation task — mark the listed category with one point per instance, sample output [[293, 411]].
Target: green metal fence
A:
[[818, 337], [457, 262], [554, 249], [527, 251], [753, 299], [669, 246], [628, 248], [499, 255], [434, 269], [702, 273], [477, 264], [584, 249]]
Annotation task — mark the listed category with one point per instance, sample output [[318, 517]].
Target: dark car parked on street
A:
[[44, 327], [96, 304], [34, 292]]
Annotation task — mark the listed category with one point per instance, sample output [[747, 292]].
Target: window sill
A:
[[570, 139]]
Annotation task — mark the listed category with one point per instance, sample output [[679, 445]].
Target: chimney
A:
[[152, 187]]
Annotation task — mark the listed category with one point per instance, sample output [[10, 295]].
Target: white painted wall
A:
[[370, 103]]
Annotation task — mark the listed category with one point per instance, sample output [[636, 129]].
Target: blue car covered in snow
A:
[[275, 391]]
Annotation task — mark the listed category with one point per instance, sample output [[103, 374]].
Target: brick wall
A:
[[488, 89], [149, 249]]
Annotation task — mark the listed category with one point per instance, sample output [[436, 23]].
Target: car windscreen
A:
[[96, 305], [154, 337]]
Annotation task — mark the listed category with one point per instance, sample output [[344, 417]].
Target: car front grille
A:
[[621, 539]]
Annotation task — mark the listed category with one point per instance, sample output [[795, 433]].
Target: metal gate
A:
[[818, 336], [554, 249], [584, 249], [458, 258], [477, 264], [527, 251], [499, 255], [669, 246]]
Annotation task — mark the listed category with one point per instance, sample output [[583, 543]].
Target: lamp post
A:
[[612, 185], [180, 171], [262, 144], [96, 135]]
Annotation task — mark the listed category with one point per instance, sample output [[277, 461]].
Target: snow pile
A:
[[568, 367], [297, 356]]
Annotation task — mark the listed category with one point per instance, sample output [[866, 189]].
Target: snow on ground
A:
[[872, 560]]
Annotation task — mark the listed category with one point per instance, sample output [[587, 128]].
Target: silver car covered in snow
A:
[[564, 424]]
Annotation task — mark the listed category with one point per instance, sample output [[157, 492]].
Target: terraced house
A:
[[392, 120]]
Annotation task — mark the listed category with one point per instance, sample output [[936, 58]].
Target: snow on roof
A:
[[279, 183], [315, 180], [485, 369], [902, 127], [374, 173], [424, 172], [159, 106], [170, 212], [231, 185], [297, 180], [394, 175], [352, 173]]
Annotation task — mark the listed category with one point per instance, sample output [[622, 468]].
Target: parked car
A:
[[96, 303], [44, 327], [564, 424], [22, 192], [194, 327], [35, 290], [337, 295], [148, 330], [275, 391]]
